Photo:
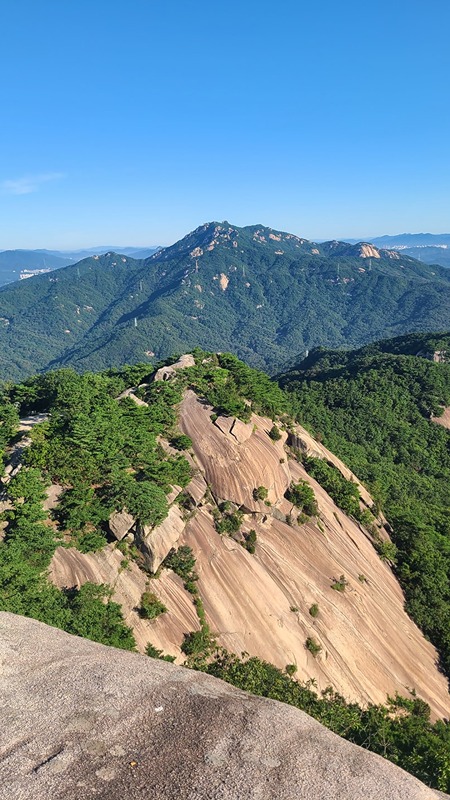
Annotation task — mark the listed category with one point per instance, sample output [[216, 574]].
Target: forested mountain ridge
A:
[[377, 409], [260, 293]]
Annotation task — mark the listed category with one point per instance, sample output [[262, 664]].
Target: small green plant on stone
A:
[[250, 541], [302, 496], [153, 652], [260, 493], [226, 521], [290, 669], [362, 578], [339, 585], [274, 433], [294, 609], [387, 551], [314, 610], [151, 607], [181, 561], [313, 646]]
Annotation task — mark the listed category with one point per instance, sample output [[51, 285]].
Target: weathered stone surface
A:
[[196, 488], [173, 494], [120, 522], [155, 543], [241, 430], [70, 568], [82, 720], [130, 393], [224, 424], [233, 469], [165, 373], [53, 495]]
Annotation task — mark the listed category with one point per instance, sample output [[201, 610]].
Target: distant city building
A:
[[29, 273]]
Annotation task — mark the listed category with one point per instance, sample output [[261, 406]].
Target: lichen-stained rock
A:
[[155, 543], [83, 720], [120, 522], [232, 468]]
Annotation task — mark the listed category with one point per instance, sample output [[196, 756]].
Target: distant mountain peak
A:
[[205, 237]]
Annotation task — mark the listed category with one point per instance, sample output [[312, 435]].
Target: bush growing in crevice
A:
[[314, 610], [226, 520], [274, 433], [151, 606], [302, 496], [250, 541], [339, 585], [260, 493], [313, 646], [153, 652]]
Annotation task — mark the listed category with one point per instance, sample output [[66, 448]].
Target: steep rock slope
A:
[[264, 294], [83, 720], [260, 603]]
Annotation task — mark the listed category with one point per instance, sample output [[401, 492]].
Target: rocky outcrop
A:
[[236, 458], [83, 720], [155, 543], [370, 647], [166, 373], [120, 522], [133, 396], [444, 419]]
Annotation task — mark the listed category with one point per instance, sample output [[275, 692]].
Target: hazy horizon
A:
[[139, 246]]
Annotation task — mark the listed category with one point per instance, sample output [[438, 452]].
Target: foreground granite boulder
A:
[[81, 720]]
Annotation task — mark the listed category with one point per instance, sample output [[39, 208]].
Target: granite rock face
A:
[[82, 720], [155, 543]]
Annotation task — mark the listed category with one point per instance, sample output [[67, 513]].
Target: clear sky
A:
[[134, 122]]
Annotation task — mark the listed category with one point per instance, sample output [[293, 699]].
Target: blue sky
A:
[[134, 122]]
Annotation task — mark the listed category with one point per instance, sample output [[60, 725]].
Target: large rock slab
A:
[[120, 522], [155, 543], [166, 373], [83, 720], [235, 458]]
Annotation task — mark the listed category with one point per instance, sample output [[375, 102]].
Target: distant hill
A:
[[13, 262], [263, 294], [413, 240], [431, 248], [77, 255]]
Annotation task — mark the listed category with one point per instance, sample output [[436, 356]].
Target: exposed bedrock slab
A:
[[155, 543], [120, 522], [82, 720]]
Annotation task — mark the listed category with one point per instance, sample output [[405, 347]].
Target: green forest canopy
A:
[[373, 408]]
